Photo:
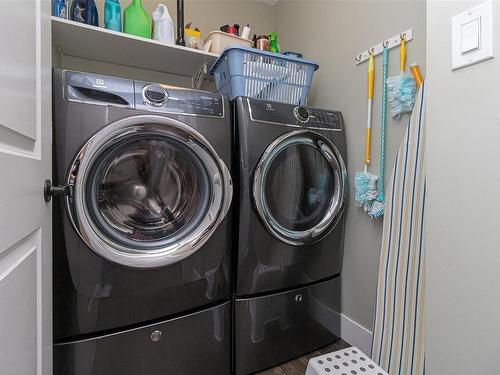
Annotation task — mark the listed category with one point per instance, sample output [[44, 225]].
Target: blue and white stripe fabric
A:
[[398, 334]]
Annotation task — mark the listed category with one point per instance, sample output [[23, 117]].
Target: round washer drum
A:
[[300, 187], [147, 191]]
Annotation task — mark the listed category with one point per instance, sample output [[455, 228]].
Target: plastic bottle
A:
[[59, 9], [163, 28], [245, 34], [136, 20], [92, 16], [273, 43], [84, 11], [112, 15]]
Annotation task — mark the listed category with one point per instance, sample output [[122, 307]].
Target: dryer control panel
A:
[[169, 99], [286, 114]]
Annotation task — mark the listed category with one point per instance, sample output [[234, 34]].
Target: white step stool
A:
[[350, 361]]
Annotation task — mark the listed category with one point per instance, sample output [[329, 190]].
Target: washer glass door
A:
[[148, 191], [300, 187]]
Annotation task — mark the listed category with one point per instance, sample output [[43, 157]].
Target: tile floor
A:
[[298, 365]]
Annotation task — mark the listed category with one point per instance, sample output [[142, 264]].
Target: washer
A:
[[292, 184], [141, 236]]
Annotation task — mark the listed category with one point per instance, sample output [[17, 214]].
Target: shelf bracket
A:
[[199, 76]]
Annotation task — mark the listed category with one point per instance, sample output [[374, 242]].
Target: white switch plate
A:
[[472, 34]]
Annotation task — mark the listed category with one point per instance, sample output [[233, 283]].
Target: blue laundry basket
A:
[[243, 71]]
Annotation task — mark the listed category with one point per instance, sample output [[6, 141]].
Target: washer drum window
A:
[[300, 187], [148, 191]]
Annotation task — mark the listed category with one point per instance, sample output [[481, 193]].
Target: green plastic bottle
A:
[[136, 20], [273, 43]]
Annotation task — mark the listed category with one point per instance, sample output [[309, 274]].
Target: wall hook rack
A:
[[391, 42]]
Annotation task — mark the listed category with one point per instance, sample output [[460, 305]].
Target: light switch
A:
[[473, 36], [470, 35]]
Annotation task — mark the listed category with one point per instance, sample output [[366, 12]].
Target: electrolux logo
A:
[[99, 82], [269, 107]]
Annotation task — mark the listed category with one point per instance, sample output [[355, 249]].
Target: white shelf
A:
[[99, 44]]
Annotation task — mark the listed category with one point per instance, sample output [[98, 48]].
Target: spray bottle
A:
[[273, 43]]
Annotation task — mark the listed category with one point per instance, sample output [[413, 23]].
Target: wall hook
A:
[[394, 41]]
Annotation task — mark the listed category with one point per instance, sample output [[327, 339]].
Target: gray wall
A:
[[463, 205], [332, 33]]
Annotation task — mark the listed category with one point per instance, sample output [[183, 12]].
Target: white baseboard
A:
[[355, 334]]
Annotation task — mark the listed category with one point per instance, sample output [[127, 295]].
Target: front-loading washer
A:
[[142, 234], [291, 178]]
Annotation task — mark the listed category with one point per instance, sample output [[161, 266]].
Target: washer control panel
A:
[[301, 114], [160, 98], [154, 95], [287, 114]]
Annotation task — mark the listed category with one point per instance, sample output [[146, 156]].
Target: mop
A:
[[377, 208], [365, 183], [401, 89]]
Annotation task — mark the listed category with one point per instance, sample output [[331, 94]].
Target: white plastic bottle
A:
[[163, 29]]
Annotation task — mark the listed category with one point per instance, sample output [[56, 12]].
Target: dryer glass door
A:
[[148, 191], [300, 187]]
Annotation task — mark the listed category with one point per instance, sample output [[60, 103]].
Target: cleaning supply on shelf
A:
[[378, 205], [401, 89], [366, 183], [77, 12], [112, 15], [232, 30], [136, 20], [84, 11], [163, 26], [273, 43], [245, 33], [59, 9], [193, 37]]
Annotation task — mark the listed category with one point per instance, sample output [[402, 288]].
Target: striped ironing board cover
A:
[[398, 334]]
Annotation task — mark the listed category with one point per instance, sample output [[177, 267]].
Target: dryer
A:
[[292, 189], [142, 234]]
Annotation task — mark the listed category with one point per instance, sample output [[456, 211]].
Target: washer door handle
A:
[[50, 190]]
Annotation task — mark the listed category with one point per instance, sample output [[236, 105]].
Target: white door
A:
[[25, 162]]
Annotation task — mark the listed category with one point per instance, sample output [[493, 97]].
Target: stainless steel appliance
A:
[[142, 233], [292, 188]]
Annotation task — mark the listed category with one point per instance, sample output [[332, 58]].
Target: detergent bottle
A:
[[136, 20], [59, 9], [112, 15], [84, 11], [163, 27]]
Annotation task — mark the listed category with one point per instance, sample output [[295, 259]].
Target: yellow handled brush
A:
[[366, 183], [371, 75]]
